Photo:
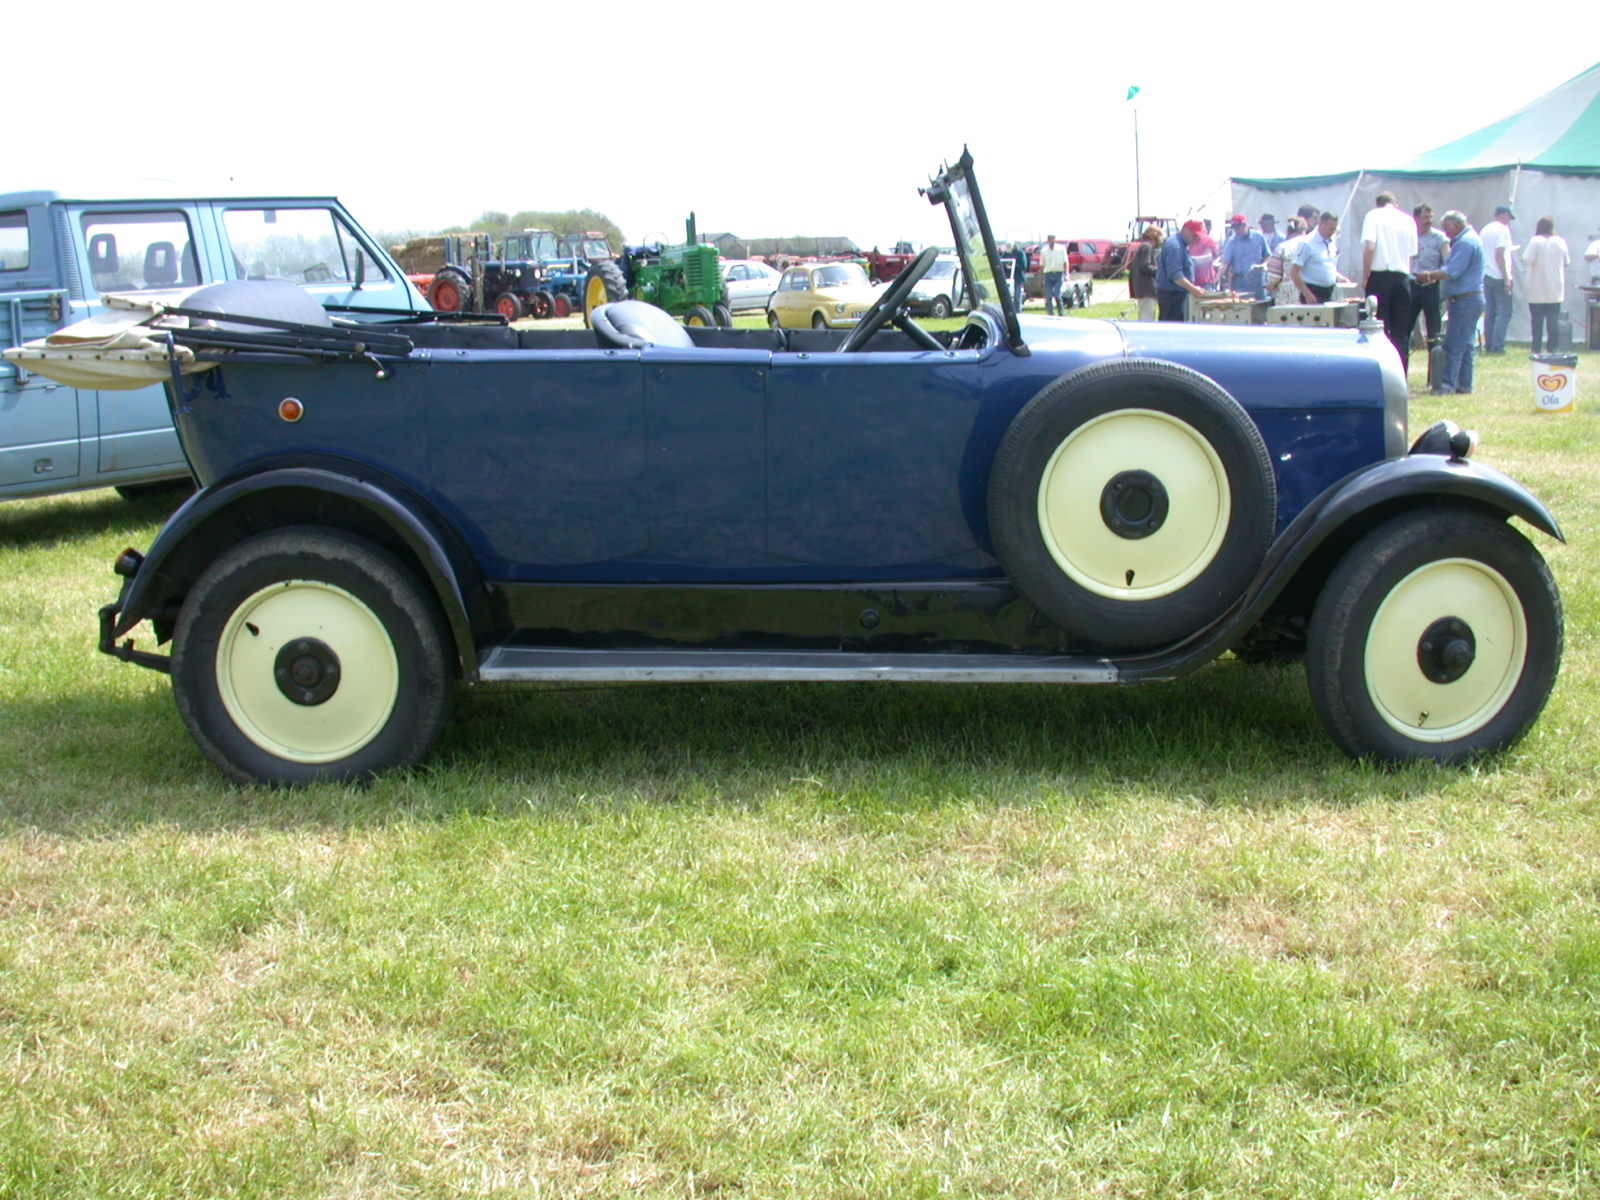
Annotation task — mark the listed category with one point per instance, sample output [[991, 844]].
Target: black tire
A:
[[450, 291], [940, 307], [772, 320], [723, 315], [701, 316], [605, 285], [173, 491], [1438, 636], [309, 654], [1158, 497], [509, 306], [818, 321], [543, 306], [562, 305]]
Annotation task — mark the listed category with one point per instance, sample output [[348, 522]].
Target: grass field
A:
[[800, 941]]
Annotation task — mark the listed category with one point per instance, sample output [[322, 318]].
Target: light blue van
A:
[[59, 256]]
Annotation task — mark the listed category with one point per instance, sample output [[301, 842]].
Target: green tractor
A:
[[685, 280]]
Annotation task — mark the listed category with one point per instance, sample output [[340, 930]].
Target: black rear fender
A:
[[382, 511]]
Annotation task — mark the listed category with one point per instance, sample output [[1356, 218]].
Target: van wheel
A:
[[1132, 502], [1438, 636], [309, 654]]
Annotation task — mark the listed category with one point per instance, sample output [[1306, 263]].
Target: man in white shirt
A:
[[1388, 240], [1497, 281], [1052, 265]]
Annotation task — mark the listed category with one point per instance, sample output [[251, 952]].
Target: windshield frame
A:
[[956, 188]]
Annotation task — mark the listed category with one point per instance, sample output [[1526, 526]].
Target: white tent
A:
[[1544, 160]]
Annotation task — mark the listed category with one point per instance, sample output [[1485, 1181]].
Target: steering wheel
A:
[[889, 303]]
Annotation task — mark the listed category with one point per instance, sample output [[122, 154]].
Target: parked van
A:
[[60, 256]]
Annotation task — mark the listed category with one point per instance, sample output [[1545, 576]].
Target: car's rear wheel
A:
[[818, 321], [1132, 502], [309, 654], [1438, 636], [773, 322]]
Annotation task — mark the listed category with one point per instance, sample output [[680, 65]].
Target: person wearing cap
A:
[[1388, 242], [1175, 273], [1497, 282], [1461, 280], [1242, 257], [1315, 269]]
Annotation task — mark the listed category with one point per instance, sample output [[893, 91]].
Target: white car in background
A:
[[749, 283]]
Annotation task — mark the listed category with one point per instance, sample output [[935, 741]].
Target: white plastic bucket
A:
[[1555, 382]]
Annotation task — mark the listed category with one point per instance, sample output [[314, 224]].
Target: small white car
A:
[[748, 283]]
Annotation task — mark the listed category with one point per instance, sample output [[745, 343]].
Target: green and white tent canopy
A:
[[1543, 159]]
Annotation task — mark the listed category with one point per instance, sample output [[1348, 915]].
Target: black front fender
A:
[[218, 517], [1334, 520]]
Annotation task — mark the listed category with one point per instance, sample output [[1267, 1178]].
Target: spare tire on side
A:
[[1132, 502]]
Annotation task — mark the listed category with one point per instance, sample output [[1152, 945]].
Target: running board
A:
[[506, 664]]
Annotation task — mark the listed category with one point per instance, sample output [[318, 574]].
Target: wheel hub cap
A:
[[1446, 650], [1134, 504], [307, 671]]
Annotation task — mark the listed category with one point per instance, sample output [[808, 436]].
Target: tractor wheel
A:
[[509, 306], [699, 315], [605, 285], [562, 304], [543, 306], [724, 315], [450, 291]]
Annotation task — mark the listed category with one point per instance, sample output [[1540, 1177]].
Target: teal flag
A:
[[1132, 92]]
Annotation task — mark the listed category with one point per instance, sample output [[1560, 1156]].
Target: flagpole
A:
[[1138, 198]]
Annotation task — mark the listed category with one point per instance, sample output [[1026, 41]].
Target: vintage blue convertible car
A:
[[389, 509]]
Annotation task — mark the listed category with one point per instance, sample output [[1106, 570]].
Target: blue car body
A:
[[649, 502]]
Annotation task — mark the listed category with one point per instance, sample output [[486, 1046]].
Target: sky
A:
[[765, 119]]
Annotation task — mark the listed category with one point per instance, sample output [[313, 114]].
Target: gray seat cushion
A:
[[632, 324]]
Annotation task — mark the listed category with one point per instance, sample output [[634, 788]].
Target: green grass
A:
[[800, 940]]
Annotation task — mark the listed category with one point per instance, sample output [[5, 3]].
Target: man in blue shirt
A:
[[1175, 274], [1315, 269], [1461, 278], [1242, 257]]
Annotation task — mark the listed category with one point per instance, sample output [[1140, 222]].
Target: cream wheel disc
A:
[[307, 671], [1454, 605], [1149, 555]]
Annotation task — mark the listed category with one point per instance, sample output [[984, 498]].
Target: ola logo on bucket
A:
[[1550, 383]]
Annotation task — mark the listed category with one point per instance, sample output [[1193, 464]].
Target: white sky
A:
[[765, 118]]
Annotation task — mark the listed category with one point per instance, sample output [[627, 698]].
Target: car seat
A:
[[632, 324]]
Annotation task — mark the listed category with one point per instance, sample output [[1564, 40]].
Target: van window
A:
[[303, 245], [135, 251], [13, 241]]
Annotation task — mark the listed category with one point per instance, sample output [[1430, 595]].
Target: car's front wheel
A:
[[1438, 636], [309, 654]]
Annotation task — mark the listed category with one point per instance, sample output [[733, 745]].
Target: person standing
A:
[[1545, 259], [1019, 275], [1461, 279], [1052, 265], [1175, 273], [1388, 243], [1432, 249], [1269, 231], [1142, 273], [1592, 257], [1204, 253], [1280, 288], [1497, 279], [1243, 258], [1315, 269]]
